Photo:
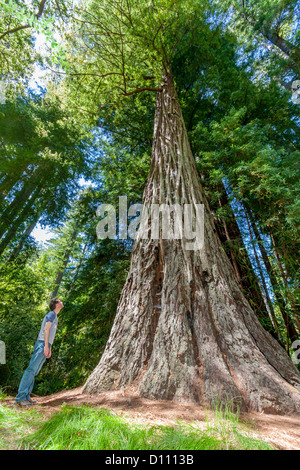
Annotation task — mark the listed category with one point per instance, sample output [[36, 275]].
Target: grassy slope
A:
[[86, 428]]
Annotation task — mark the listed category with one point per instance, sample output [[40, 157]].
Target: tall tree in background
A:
[[183, 329], [272, 29]]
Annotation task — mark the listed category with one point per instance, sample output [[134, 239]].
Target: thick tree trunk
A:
[[183, 329]]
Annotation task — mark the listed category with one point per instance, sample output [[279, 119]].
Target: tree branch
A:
[[273, 36], [145, 88], [26, 26], [41, 9]]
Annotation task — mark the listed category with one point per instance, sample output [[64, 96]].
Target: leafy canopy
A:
[[117, 48]]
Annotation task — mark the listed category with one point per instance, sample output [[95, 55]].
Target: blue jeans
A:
[[37, 360]]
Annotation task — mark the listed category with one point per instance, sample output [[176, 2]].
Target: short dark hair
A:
[[53, 302]]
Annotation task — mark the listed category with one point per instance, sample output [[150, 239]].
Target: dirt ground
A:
[[283, 432]]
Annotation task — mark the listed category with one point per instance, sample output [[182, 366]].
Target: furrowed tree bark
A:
[[183, 330]]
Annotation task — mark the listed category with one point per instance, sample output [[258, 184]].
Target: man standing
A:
[[41, 352]]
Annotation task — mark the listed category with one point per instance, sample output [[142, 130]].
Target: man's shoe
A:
[[24, 403], [33, 402]]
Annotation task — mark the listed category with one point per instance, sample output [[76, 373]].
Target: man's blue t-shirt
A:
[[52, 317]]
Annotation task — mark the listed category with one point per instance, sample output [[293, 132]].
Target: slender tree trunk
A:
[[59, 278], [19, 202], [7, 184], [60, 274], [26, 212], [15, 253], [16, 175], [283, 44], [264, 285], [78, 266], [290, 50], [232, 254], [292, 333], [183, 329], [230, 234]]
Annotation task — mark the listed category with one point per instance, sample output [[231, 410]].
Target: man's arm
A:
[[47, 350]]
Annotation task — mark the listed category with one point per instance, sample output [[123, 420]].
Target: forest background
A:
[[63, 153]]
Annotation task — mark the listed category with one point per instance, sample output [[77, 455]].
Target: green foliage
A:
[[44, 153], [243, 130], [16, 52], [39, 130], [261, 171], [245, 138], [268, 30], [22, 307], [86, 320], [20, 25], [116, 49]]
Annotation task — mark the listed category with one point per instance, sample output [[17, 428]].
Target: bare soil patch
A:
[[283, 432]]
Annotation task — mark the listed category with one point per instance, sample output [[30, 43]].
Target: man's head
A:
[[56, 304]]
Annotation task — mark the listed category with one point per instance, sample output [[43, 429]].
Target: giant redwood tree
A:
[[183, 329]]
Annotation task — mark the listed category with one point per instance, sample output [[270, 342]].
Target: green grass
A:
[[16, 424], [87, 428]]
